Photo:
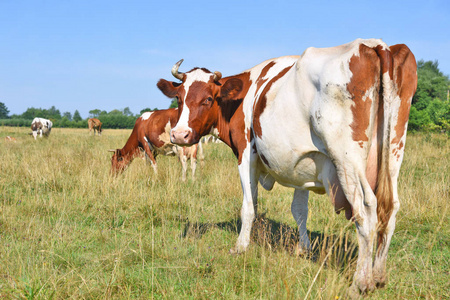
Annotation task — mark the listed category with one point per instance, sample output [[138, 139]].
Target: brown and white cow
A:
[[41, 126], [332, 120], [96, 125], [151, 133], [10, 139]]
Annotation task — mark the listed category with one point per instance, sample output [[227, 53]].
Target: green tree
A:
[[430, 108], [32, 113], [174, 103], [67, 115], [3, 111], [95, 113], [76, 116], [52, 113], [127, 112]]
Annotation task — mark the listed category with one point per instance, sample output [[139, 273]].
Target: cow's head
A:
[[119, 162], [198, 95], [35, 126]]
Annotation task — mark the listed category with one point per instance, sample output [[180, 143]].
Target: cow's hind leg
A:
[[364, 206], [299, 209], [357, 190]]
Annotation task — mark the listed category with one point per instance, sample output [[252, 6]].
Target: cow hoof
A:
[[357, 291], [237, 250], [380, 280], [353, 292], [380, 283]]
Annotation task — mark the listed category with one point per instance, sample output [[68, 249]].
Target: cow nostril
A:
[[187, 134]]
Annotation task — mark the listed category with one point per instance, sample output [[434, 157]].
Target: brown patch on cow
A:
[[260, 105], [405, 71], [366, 71], [228, 115], [260, 81], [36, 125], [238, 140]]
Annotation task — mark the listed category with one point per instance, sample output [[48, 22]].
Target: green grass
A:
[[70, 230]]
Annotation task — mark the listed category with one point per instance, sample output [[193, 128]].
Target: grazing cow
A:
[[332, 120], [41, 126], [151, 132], [96, 125]]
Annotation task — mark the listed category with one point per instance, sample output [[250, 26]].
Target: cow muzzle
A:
[[182, 136]]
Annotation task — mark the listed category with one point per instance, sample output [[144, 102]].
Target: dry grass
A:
[[70, 230]]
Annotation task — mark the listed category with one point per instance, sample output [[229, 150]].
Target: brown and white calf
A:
[[96, 125], [41, 126], [10, 139], [151, 133], [332, 120]]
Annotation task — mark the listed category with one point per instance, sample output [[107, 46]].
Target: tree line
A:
[[115, 119], [430, 110]]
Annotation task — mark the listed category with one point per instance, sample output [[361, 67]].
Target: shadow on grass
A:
[[277, 236]]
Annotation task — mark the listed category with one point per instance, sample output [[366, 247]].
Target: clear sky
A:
[[84, 55]]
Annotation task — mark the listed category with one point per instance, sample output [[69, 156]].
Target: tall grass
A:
[[70, 230]]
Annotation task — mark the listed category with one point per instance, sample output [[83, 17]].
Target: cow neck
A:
[[231, 119], [131, 148]]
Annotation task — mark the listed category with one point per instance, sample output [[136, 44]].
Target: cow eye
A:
[[119, 158], [208, 100]]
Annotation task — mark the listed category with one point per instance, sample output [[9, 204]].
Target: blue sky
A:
[[85, 55]]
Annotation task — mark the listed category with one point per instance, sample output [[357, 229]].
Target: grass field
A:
[[70, 230]]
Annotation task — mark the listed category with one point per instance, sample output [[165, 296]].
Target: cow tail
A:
[[384, 189]]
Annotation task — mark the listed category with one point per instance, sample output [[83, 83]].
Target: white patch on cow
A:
[[165, 136], [146, 115], [196, 75]]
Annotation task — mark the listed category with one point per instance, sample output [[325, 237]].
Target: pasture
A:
[[70, 230]]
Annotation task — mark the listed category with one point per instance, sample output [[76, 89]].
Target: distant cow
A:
[[95, 124], [10, 139], [41, 126], [151, 133], [332, 120]]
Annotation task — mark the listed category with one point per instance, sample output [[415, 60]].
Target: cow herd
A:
[[332, 120], [150, 137]]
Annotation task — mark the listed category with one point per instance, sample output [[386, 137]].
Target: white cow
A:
[[332, 120], [41, 126]]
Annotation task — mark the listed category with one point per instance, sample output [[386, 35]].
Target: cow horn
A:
[[111, 150], [175, 72], [217, 76]]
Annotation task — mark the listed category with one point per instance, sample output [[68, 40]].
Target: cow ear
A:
[[231, 89], [168, 88]]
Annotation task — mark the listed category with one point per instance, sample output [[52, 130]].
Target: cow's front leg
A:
[[151, 156], [193, 166], [249, 182], [183, 161]]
